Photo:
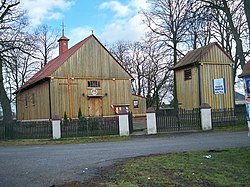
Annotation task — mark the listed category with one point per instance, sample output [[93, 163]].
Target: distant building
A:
[[204, 75], [239, 99], [85, 77]]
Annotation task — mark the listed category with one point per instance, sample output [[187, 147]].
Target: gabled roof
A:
[[246, 70], [54, 64], [196, 55]]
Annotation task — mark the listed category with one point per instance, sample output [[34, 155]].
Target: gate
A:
[[178, 120]]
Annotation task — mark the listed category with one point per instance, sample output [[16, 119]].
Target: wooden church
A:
[[85, 76], [205, 75]]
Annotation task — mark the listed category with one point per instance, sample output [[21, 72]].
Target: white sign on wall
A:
[[219, 86]]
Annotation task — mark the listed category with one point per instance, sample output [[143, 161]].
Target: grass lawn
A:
[[231, 128], [229, 167], [23, 142]]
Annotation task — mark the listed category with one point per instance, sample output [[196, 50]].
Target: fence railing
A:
[[177, 120], [91, 126], [26, 130], [226, 117], [98, 126]]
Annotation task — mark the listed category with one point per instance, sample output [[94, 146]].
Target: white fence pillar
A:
[[56, 127], [123, 124], [151, 121], [206, 116]]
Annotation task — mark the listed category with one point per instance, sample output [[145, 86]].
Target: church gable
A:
[[92, 60]]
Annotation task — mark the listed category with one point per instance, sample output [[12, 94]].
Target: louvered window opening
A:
[[187, 74]]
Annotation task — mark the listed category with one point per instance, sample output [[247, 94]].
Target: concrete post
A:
[[206, 117], [123, 124], [151, 121], [56, 127]]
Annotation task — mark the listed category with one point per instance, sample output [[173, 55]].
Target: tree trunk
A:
[[4, 100], [247, 12], [239, 47], [175, 62]]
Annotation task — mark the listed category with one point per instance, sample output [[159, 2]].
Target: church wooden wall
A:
[[111, 92], [142, 106], [37, 103], [91, 62]]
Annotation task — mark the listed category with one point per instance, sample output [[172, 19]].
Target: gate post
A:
[[206, 116], [56, 127], [123, 123], [151, 121]]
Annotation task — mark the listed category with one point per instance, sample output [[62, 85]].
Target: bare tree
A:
[[228, 8], [247, 12], [170, 21], [12, 37], [46, 41], [132, 57], [158, 74], [121, 51], [146, 61]]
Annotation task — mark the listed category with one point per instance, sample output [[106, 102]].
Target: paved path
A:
[[55, 164]]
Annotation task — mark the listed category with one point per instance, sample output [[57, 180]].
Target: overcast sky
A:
[[110, 20]]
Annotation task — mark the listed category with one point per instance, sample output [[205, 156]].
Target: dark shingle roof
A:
[[196, 55], [246, 70]]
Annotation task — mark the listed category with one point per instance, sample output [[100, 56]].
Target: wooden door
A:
[[95, 106]]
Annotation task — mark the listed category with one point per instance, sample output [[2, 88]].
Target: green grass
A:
[[229, 167], [231, 128], [24, 142]]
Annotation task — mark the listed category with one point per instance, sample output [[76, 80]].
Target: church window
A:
[[94, 84]]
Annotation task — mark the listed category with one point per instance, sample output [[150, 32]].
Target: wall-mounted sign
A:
[[94, 91], [120, 107], [219, 86]]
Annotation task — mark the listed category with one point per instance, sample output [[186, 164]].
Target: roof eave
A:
[[21, 89]]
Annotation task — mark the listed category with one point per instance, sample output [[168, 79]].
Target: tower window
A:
[[187, 74]]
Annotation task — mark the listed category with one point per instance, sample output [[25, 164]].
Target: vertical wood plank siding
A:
[[90, 62], [40, 108], [188, 90], [210, 72], [113, 92], [214, 64], [93, 62]]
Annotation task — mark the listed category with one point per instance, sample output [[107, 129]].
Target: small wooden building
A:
[[85, 77], [205, 75]]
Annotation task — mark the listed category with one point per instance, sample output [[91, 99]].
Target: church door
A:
[[95, 106]]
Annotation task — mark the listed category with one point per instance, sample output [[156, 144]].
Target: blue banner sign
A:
[[219, 86]]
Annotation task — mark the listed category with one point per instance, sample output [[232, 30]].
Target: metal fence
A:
[[98, 126], [26, 130], [178, 120], [227, 117], [91, 126]]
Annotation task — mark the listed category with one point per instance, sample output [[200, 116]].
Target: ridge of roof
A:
[[58, 61], [53, 65], [113, 57], [196, 55]]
